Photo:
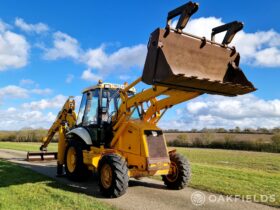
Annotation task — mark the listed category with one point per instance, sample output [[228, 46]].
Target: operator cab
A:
[[99, 103]]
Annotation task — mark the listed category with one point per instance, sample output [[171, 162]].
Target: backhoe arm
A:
[[66, 116]]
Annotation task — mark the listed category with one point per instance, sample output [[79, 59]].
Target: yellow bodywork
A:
[[129, 139], [131, 145]]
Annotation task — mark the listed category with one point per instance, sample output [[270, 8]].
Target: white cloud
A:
[[24, 82], [124, 77], [104, 63], [246, 111], [203, 26], [64, 46], [3, 26], [41, 91], [126, 57], [89, 76], [196, 107], [97, 59], [14, 49], [69, 78], [12, 91], [53, 103], [268, 57], [37, 28], [35, 114], [11, 109], [261, 48], [15, 120]]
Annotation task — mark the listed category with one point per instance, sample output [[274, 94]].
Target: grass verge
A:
[[26, 146], [21, 189], [235, 172], [227, 172]]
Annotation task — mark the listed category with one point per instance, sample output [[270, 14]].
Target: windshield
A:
[[135, 111], [109, 104]]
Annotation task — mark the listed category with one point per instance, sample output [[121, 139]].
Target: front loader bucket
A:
[[34, 156], [183, 61]]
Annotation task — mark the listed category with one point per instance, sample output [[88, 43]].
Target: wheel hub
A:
[[173, 172], [71, 159], [106, 176]]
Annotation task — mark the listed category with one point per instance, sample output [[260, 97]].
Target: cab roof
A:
[[101, 85]]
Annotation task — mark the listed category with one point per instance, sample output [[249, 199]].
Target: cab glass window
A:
[[90, 116], [82, 109]]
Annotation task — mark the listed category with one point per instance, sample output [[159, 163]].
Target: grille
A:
[[156, 144]]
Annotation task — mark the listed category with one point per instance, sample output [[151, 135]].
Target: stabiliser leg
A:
[[59, 170]]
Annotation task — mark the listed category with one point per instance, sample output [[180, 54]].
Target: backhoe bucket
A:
[[183, 61], [35, 156]]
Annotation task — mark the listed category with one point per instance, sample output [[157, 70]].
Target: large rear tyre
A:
[[75, 169], [179, 172], [112, 176]]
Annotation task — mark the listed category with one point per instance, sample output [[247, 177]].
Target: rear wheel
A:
[[179, 172], [75, 169], [113, 176]]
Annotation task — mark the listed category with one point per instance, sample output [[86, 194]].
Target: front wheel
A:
[[113, 176], [179, 172], [75, 169]]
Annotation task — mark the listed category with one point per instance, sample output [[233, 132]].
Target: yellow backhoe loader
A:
[[115, 133]]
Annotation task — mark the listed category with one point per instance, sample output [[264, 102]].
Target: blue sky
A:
[[53, 49]]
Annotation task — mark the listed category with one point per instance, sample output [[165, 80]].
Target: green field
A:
[[21, 189], [235, 172], [227, 172], [26, 146]]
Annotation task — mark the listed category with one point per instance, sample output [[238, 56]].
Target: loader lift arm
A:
[[154, 109], [152, 113]]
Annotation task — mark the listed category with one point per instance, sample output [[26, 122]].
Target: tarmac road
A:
[[143, 195]]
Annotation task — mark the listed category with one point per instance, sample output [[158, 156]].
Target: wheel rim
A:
[[173, 172], [106, 176], [71, 159]]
